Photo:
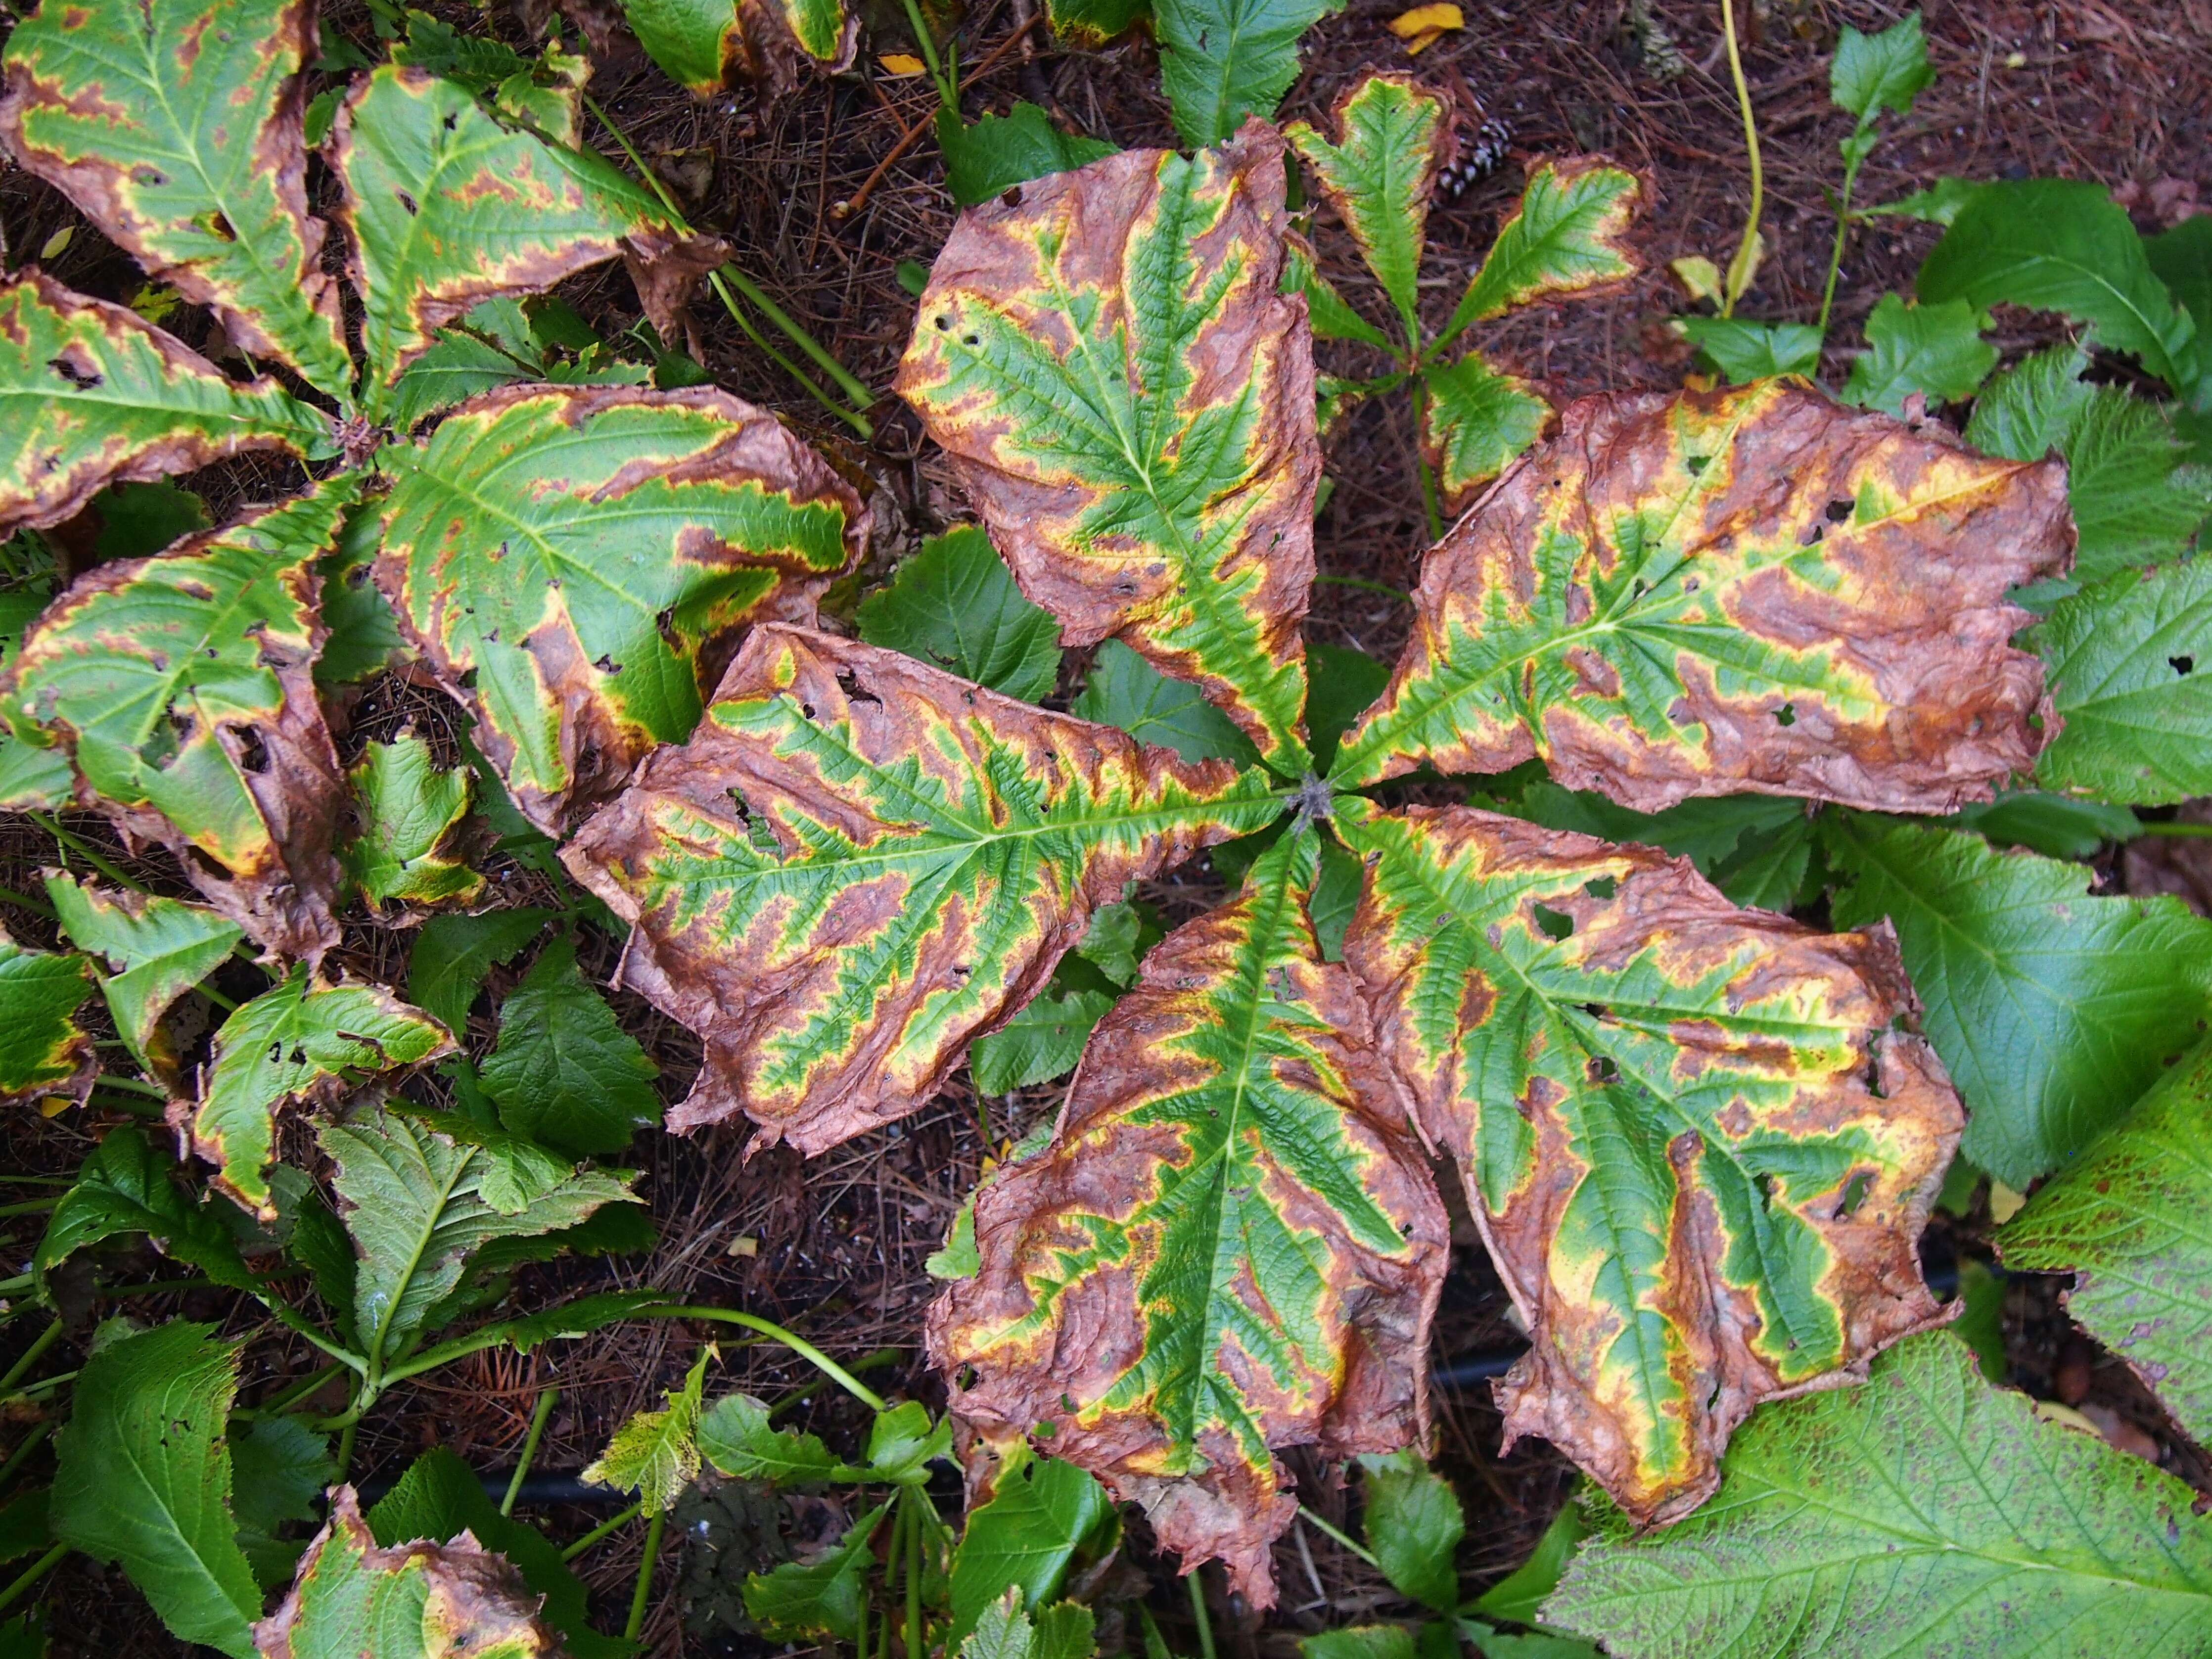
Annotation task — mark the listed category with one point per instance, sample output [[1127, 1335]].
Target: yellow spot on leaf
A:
[[2005, 1203]]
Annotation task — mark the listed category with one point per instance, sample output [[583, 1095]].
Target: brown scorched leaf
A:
[[1699, 1153], [859, 864], [1231, 1245], [1755, 590], [1130, 402]]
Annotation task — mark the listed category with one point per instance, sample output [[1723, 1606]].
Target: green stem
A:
[[601, 1531], [31, 1356], [545, 1399], [2170, 828], [1739, 268], [92, 855], [928, 47], [133, 1085], [31, 1575], [640, 1597], [1366, 587], [30, 1206], [1836, 252], [292, 1394], [914, 1558], [860, 424], [799, 1344], [25, 901], [1198, 1612], [44, 1385], [345, 1459], [1327, 1531], [31, 1444]]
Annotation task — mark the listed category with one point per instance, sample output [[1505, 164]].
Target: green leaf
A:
[[1414, 1525], [957, 1257], [1360, 1642], [1123, 690], [1980, 1323], [1131, 408], [139, 519], [1756, 848], [2182, 260], [409, 808], [126, 1186], [2061, 244], [1380, 178], [1041, 1517], [1517, 1595], [1567, 237], [453, 954], [1922, 1511], [1871, 73], [564, 555], [2053, 825], [43, 1053], [737, 1437], [181, 687], [280, 1467], [822, 1597], [174, 127], [1116, 940], [446, 206], [1064, 1631], [1233, 1166], [1565, 1012], [1335, 897], [1936, 349], [1223, 61], [1095, 22], [912, 855], [1041, 1043], [565, 1073], [24, 1529], [1710, 593], [364, 635], [988, 157], [955, 606], [2051, 1009], [903, 1441], [2123, 658], [2126, 1218], [1475, 421], [656, 1454], [568, 1320], [420, 1204], [302, 1041], [697, 44], [143, 1476], [1744, 351]]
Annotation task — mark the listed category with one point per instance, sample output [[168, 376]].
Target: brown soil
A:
[[822, 216]]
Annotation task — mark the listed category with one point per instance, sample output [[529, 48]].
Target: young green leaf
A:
[[137, 520], [1569, 236], [997, 152], [563, 555], [736, 1436], [302, 1041], [174, 127], [2124, 658], [1414, 1525], [1041, 1043], [126, 1186], [1701, 1155], [181, 686], [1871, 73], [2056, 826], [43, 1052], [280, 1466], [913, 856], [1362, 1642], [453, 954], [1123, 690], [1744, 350], [2051, 1009], [1704, 593], [1064, 1631], [92, 395], [1521, 1592], [363, 636], [1224, 62], [1132, 410], [1380, 177], [156, 948], [822, 1597], [2182, 257], [954, 605], [143, 1476], [565, 1074], [697, 44], [1936, 349], [656, 1454], [355, 1601], [1475, 421], [1756, 848], [1041, 1517], [1922, 1511], [409, 808], [1233, 1210]]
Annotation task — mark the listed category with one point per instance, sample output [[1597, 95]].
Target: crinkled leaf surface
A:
[[1925, 1512], [1935, 350], [1066, 1630], [1379, 176], [1698, 1152], [408, 808], [1475, 420], [1224, 62], [955, 605], [1568, 237], [860, 863], [1042, 1516], [157, 949], [91, 394], [182, 687], [446, 205], [2127, 1219], [1130, 402], [415, 1600], [566, 1074], [1230, 1245], [1719, 592], [1041, 1043], [2052, 1009], [143, 1476], [42, 1050], [563, 555], [280, 1466], [174, 125], [302, 1041], [2130, 667], [655, 1453]]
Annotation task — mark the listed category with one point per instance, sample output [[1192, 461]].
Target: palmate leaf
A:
[[1230, 1245], [43, 1052], [1380, 176], [1129, 401], [158, 949], [912, 855], [408, 807], [2123, 658], [1568, 237], [1475, 420], [446, 206], [1925, 1512], [1700, 1156], [1718, 593], [182, 688], [562, 555], [174, 127], [91, 395]]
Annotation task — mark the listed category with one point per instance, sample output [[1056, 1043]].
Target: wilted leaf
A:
[[2053, 1010], [1380, 176], [566, 1074], [408, 808], [1714, 592], [1042, 1515], [1701, 1155], [90, 395], [655, 1453], [1744, 350], [355, 1601], [1231, 1247], [1475, 423], [955, 606], [563, 555], [156, 948], [912, 855], [1064, 1631], [994, 153], [182, 687], [1130, 402], [174, 125], [42, 1051], [143, 1476], [1123, 690], [1568, 237], [1924, 1511], [737, 1437], [1224, 62], [2123, 658], [302, 1041], [1936, 349], [446, 206]]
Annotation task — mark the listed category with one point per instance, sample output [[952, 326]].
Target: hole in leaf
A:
[[1786, 715], [253, 753], [1695, 464], [1854, 1192], [1840, 511], [607, 664], [148, 178], [1602, 1070], [2182, 665], [1766, 1184], [1012, 197], [82, 379], [1556, 924], [406, 202], [1601, 887], [453, 119]]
